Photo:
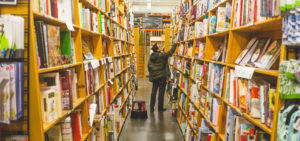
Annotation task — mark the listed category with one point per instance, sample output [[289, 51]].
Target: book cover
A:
[[221, 19], [66, 47], [66, 91], [245, 51], [243, 90], [66, 129], [270, 56], [54, 48], [76, 127], [5, 94], [259, 51]]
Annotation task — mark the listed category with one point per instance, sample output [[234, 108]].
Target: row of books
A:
[[240, 129], [68, 129], [54, 46], [237, 127], [248, 12], [12, 32], [88, 19], [221, 53], [58, 92], [220, 21], [60, 9], [199, 50], [118, 48], [201, 28], [11, 92], [104, 25], [261, 53], [215, 80], [254, 97]]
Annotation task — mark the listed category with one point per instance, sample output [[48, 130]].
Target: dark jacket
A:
[[158, 64]]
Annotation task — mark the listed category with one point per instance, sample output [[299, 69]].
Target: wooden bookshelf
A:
[[238, 38], [38, 127]]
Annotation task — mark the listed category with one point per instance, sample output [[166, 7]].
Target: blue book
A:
[[217, 79], [20, 89]]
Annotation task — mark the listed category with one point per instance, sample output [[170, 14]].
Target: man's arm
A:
[[170, 52]]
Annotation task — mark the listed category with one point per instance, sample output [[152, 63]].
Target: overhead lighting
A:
[[148, 0], [149, 6]]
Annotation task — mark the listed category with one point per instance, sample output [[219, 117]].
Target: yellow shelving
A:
[[238, 37], [38, 128]]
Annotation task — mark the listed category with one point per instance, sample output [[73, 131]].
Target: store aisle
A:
[[160, 126]]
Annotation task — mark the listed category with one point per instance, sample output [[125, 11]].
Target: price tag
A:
[[95, 63], [86, 66], [244, 72], [70, 26]]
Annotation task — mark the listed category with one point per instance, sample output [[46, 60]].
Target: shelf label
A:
[[244, 72], [70, 26], [95, 63]]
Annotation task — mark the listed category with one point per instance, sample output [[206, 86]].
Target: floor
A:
[[160, 126]]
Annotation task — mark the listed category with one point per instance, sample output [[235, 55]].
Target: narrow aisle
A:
[[160, 126]]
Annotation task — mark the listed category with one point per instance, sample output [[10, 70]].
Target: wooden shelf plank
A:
[[65, 113], [89, 5], [274, 73], [62, 67]]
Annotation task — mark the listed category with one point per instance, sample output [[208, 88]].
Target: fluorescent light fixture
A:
[[148, 0], [149, 6]]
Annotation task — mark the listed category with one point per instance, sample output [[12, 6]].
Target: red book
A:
[[47, 7], [243, 138], [234, 92], [241, 12], [55, 8], [255, 11], [75, 126]]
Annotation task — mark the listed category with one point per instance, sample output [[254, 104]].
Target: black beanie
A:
[[154, 47]]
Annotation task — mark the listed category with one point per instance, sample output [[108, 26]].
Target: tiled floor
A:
[[160, 126]]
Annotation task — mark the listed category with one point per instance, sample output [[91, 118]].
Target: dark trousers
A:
[[161, 84]]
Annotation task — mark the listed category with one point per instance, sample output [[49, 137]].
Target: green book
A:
[[66, 47], [100, 17]]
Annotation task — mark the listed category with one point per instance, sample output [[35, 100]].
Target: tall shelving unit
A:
[[38, 128], [238, 39], [21, 126]]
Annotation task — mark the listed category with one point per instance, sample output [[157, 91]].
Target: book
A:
[[76, 126], [245, 51], [66, 129], [270, 56], [53, 45], [66, 47], [259, 51], [66, 91], [221, 17], [51, 103]]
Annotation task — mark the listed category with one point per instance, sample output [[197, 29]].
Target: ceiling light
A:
[[149, 6]]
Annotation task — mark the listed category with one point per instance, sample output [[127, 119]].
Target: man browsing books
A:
[[159, 73]]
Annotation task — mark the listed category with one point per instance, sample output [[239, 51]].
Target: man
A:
[[159, 73]]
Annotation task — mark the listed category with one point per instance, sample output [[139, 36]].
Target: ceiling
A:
[[157, 6]]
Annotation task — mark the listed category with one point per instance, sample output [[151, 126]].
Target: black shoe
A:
[[151, 110], [162, 110]]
